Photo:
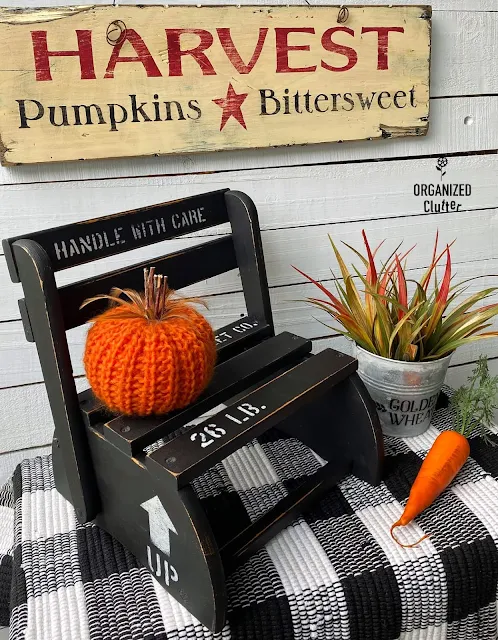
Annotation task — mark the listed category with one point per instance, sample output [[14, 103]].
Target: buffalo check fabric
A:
[[335, 573]]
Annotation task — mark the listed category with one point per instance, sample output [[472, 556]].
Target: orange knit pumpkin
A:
[[151, 353]]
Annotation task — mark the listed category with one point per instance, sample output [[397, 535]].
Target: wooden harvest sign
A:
[[113, 81]]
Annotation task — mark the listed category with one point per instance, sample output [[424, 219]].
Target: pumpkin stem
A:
[[156, 294], [159, 299], [157, 302]]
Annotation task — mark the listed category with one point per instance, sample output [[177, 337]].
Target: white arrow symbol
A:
[[159, 524]]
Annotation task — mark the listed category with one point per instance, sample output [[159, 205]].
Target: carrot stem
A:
[[402, 544]]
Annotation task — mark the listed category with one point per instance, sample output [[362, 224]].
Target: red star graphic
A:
[[231, 106]]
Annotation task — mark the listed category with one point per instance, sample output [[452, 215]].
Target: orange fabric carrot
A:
[[473, 407], [444, 460]]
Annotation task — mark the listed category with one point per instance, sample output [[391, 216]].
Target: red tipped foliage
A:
[[375, 311]]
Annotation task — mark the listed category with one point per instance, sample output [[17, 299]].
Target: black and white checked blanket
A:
[[335, 573]]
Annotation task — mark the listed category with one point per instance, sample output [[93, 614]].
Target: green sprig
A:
[[474, 404]]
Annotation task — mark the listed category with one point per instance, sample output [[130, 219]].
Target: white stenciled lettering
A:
[[107, 242], [147, 229], [73, 248], [188, 218], [157, 569], [214, 431], [173, 573], [86, 244], [221, 337], [205, 441], [97, 241], [136, 231], [245, 326], [150, 227], [211, 430], [161, 567], [61, 250], [117, 235], [195, 215], [160, 225], [248, 408], [236, 420], [143, 230], [175, 221]]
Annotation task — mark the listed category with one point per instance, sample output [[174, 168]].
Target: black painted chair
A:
[[142, 498]]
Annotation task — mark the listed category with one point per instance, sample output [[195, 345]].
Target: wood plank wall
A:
[[302, 194]]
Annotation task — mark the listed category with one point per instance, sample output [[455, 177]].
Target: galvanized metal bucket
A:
[[405, 393]]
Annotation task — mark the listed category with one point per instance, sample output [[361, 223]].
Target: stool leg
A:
[[342, 425]]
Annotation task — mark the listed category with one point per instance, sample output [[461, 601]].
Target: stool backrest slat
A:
[[183, 268]]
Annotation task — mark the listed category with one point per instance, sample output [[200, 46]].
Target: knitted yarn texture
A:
[[137, 366]]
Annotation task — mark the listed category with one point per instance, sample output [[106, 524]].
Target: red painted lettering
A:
[[143, 55], [175, 52], [232, 53], [283, 48], [329, 45], [383, 43], [42, 55]]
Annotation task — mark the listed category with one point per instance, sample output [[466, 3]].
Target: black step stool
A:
[[106, 465]]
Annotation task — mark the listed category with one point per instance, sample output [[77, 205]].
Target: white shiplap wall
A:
[[301, 194]]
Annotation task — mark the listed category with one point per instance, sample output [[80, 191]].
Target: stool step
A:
[[131, 435], [230, 340], [188, 455]]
